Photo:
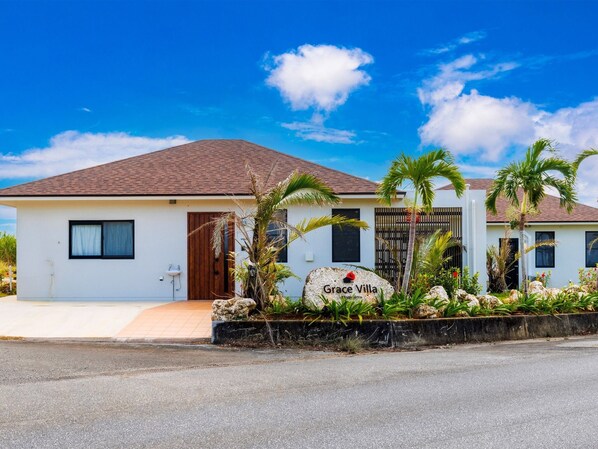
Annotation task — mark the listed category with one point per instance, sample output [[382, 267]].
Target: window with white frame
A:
[[111, 239]]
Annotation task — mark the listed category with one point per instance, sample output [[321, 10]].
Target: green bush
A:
[[471, 283], [8, 248]]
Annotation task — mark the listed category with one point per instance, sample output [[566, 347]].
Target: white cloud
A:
[[318, 76], [319, 133], [468, 38], [474, 125], [479, 124], [84, 109], [72, 150]]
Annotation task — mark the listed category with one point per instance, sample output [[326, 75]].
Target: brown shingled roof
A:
[[550, 210], [205, 167]]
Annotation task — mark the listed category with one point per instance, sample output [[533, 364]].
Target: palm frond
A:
[[311, 224], [583, 156]]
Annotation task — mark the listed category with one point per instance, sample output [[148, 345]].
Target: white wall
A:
[[45, 270], [319, 243], [570, 253]]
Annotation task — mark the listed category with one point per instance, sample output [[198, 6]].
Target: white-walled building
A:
[[573, 234], [113, 231]]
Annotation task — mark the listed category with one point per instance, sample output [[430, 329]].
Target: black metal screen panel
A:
[[392, 236]]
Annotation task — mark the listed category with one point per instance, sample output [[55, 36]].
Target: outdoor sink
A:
[[173, 272]]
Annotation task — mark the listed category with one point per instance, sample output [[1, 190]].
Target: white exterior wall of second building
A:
[[569, 253], [47, 272]]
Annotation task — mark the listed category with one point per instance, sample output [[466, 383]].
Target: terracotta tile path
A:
[[179, 320]]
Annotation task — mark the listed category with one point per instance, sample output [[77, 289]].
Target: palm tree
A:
[[583, 156], [263, 233], [419, 173], [524, 185]]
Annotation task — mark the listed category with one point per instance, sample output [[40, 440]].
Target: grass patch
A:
[[352, 345]]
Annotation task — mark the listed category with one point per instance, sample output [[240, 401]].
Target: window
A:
[[591, 249], [277, 234], [101, 240], [544, 254], [346, 239]]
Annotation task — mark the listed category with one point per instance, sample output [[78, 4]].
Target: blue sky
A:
[[346, 84]]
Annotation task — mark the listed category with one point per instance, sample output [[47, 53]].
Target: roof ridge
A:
[[305, 160], [194, 168]]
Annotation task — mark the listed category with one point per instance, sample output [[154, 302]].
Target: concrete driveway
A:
[[103, 319]]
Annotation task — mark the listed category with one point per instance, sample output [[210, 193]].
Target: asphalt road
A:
[[541, 394]]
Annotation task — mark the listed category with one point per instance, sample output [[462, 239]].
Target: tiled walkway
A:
[[178, 320]]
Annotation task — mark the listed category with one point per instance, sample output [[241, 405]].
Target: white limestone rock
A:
[[489, 301], [536, 288], [424, 311], [335, 283], [232, 309], [438, 293], [513, 297], [472, 301], [461, 295], [552, 293]]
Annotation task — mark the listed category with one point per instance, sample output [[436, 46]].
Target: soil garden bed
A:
[[407, 333]]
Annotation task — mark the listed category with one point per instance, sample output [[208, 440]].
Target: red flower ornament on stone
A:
[[350, 277]]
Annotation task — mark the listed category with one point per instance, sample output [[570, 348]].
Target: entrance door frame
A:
[[208, 275]]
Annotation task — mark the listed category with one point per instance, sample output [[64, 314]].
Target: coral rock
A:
[[232, 309], [513, 297], [489, 301], [472, 301], [461, 295], [438, 293], [425, 311]]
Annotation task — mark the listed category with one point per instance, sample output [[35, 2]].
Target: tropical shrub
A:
[[544, 277], [419, 173], [588, 278], [524, 185], [262, 234], [343, 310], [279, 271], [8, 248], [470, 282], [446, 277], [285, 306]]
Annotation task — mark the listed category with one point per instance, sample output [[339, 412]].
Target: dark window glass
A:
[[544, 254], [101, 240], [277, 234], [591, 249], [346, 245]]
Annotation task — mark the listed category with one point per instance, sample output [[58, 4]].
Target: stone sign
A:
[[336, 283]]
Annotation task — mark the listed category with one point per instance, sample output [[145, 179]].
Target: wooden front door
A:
[[208, 273]]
